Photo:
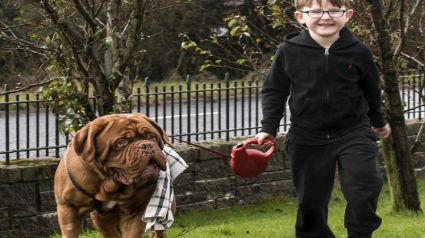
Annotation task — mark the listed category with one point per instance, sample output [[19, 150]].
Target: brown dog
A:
[[110, 170]]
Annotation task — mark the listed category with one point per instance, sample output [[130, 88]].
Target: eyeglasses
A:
[[319, 13]]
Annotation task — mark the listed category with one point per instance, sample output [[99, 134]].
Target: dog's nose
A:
[[147, 146]]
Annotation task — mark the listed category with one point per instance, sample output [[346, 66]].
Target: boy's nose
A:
[[326, 15]]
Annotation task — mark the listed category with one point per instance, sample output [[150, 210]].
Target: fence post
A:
[[6, 126], [188, 106], [17, 112], [147, 95], [94, 102], [226, 79]]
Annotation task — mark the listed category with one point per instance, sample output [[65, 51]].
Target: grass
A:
[[275, 218]]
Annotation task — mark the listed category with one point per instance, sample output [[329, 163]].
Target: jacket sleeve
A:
[[371, 85], [275, 91]]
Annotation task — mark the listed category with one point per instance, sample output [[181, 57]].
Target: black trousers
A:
[[313, 171]]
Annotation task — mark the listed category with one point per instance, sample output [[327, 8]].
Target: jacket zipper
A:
[[327, 89]]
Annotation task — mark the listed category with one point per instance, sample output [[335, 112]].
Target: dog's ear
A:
[[84, 139]]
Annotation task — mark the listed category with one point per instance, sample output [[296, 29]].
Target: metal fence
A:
[[190, 111]]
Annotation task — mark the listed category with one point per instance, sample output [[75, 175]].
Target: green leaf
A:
[[231, 22], [241, 61], [204, 66], [214, 39], [205, 52], [234, 30], [188, 44]]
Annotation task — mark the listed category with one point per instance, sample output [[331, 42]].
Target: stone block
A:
[[28, 173], [418, 159], [47, 202], [183, 183], [4, 178], [280, 141], [23, 200], [14, 173], [206, 205], [249, 194], [275, 162], [189, 169], [228, 201], [45, 225], [217, 188], [6, 195], [4, 225], [263, 178], [413, 126], [45, 185], [46, 171], [10, 233], [212, 169], [4, 212], [188, 153], [190, 197], [420, 172], [214, 145], [201, 206], [412, 140]]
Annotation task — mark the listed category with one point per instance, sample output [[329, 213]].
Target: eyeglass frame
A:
[[323, 13]]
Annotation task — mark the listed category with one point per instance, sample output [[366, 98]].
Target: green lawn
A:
[[275, 219]]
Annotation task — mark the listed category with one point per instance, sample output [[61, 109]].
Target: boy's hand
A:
[[261, 136], [383, 131]]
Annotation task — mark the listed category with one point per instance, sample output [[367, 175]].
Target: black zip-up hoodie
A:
[[332, 91]]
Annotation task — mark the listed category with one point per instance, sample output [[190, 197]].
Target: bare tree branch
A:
[[413, 58], [27, 87]]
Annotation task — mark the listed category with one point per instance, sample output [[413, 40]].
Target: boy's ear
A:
[[348, 14], [300, 17]]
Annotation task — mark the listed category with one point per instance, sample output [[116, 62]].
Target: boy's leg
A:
[[313, 171], [361, 184]]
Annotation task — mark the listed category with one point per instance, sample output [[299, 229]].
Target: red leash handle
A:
[[254, 140], [205, 148]]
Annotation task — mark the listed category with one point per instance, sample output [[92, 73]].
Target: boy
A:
[[335, 99]]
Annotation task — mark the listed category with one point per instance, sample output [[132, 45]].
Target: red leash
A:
[[205, 148]]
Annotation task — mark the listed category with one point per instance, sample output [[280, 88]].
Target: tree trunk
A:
[[398, 159], [396, 149], [105, 96]]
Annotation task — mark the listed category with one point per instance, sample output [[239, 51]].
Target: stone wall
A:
[[27, 205], [28, 209]]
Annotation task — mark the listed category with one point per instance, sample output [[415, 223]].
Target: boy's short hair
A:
[[300, 4]]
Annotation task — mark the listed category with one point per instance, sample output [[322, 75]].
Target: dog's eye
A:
[[122, 142], [153, 137]]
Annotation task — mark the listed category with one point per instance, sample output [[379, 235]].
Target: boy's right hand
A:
[[262, 135]]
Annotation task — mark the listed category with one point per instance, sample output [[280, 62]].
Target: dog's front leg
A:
[[132, 227], [158, 234], [107, 224], [69, 221]]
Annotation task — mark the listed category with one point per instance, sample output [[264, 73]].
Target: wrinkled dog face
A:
[[137, 159], [128, 147]]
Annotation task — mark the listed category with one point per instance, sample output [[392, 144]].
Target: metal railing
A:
[[190, 111], [193, 112]]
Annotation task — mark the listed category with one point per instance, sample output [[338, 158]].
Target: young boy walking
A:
[[335, 99]]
